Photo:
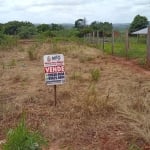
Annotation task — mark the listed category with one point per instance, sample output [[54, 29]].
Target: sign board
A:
[[54, 69]]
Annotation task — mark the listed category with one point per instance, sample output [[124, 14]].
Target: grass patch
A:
[[21, 138], [32, 52], [83, 58], [137, 48], [76, 76], [134, 147], [95, 74]]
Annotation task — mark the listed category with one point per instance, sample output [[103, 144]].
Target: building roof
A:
[[142, 31]]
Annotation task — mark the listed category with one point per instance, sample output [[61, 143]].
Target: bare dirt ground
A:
[[110, 114]]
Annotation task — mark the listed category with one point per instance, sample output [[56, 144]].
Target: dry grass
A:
[[106, 114]]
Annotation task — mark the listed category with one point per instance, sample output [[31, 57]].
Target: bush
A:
[[21, 138]]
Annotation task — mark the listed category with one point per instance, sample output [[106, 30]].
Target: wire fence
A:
[[122, 44]]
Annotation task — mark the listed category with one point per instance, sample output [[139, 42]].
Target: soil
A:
[[89, 115]]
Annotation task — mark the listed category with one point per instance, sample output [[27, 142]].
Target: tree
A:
[[139, 22], [26, 32], [80, 23], [43, 27], [105, 27], [1, 27], [96, 26], [56, 27], [13, 27]]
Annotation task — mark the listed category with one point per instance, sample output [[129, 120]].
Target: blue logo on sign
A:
[[57, 57]]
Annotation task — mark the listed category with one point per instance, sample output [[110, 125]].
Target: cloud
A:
[[59, 11], [58, 3]]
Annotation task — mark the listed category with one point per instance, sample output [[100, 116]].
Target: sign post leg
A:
[[55, 95]]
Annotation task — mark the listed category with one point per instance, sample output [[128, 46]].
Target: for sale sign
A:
[[54, 69]]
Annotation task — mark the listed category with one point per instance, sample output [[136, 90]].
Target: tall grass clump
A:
[[134, 147], [21, 138], [95, 74], [32, 52], [7, 42]]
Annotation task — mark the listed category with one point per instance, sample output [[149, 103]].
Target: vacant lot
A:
[[104, 110]]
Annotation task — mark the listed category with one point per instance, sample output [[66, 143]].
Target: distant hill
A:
[[121, 26], [67, 25]]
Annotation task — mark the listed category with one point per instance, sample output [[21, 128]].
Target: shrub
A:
[[21, 138]]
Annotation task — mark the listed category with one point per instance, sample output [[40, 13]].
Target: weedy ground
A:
[[104, 104]]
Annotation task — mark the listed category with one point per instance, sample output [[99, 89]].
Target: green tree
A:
[[56, 27], [105, 27], [1, 27], [96, 26], [13, 27], [43, 27], [80, 23], [27, 32], [138, 23]]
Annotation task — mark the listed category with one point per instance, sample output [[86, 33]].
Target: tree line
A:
[[26, 30]]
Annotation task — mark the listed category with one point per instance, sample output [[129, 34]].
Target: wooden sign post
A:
[[54, 71], [55, 97]]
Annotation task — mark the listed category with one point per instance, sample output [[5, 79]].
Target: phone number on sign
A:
[[55, 76]]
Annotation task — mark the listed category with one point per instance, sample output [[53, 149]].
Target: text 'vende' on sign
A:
[[54, 69]]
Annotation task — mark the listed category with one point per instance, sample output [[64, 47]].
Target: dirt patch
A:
[[112, 113], [131, 64]]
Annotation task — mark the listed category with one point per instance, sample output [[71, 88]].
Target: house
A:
[[141, 32]]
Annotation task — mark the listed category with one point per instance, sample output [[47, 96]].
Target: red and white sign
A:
[[54, 69]]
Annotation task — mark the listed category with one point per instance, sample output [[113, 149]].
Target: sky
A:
[[67, 11]]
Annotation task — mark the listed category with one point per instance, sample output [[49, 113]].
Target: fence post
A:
[[93, 37], [113, 37], [148, 47], [89, 38], [97, 37], [84, 38], [103, 41], [127, 43]]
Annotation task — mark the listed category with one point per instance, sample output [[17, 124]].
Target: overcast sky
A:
[[67, 11]]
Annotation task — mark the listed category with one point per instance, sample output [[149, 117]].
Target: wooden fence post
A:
[[84, 38], [89, 38], [148, 47], [113, 37], [103, 41], [126, 43], [97, 37], [93, 36]]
